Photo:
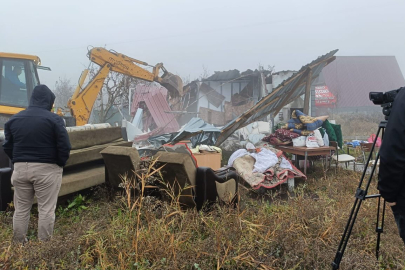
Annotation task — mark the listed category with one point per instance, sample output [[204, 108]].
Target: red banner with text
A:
[[323, 97]]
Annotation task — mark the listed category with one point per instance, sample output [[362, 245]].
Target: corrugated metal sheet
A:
[[155, 100], [285, 93], [142, 92], [351, 78], [235, 74], [224, 75]]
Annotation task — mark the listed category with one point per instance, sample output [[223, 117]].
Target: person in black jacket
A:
[[392, 162], [37, 142]]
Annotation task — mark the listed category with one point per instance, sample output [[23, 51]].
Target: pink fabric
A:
[[372, 138]]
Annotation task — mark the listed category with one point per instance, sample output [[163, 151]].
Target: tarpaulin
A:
[[197, 130]]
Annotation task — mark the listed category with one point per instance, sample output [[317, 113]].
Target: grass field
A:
[[276, 230]]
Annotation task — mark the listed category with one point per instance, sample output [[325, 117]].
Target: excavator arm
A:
[[83, 99]]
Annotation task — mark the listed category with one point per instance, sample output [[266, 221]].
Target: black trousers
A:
[[399, 214]]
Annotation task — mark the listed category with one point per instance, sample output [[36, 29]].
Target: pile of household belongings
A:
[[263, 166], [303, 130]]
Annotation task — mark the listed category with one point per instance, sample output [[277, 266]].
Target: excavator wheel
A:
[[6, 193]]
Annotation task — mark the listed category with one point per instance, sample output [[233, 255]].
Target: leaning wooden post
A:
[[307, 92]]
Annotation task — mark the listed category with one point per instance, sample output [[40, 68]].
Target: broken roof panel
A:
[[143, 92], [224, 75], [213, 96], [285, 93], [230, 75], [154, 98]]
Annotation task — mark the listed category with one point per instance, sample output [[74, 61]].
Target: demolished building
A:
[[289, 90], [232, 99], [221, 97]]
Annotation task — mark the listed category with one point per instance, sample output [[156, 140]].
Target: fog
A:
[[189, 35]]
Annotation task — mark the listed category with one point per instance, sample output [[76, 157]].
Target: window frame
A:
[[28, 79]]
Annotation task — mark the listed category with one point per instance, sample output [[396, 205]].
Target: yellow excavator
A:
[[19, 77], [83, 99], [85, 167]]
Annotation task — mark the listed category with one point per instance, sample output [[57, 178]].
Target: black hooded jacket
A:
[[36, 134], [391, 181]]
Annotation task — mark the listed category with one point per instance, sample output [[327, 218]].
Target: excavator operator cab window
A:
[[18, 78]]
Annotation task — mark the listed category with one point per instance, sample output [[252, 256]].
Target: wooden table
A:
[[306, 152]]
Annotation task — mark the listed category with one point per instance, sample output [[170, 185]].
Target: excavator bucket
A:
[[173, 84]]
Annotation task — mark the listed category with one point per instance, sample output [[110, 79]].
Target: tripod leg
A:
[[379, 227], [361, 194]]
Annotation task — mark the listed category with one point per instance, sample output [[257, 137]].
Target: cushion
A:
[[344, 158], [330, 131], [338, 132], [179, 171], [88, 138], [180, 148], [120, 161], [227, 191], [323, 117], [322, 131]]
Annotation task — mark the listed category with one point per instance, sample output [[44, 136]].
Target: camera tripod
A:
[[361, 195]]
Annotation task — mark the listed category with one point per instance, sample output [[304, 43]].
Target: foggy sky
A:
[[186, 35]]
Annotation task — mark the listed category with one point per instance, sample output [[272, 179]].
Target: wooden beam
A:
[[293, 77], [313, 79], [308, 92], [330, 60], [289, 94]]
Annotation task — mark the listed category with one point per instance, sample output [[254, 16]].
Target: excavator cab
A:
[[18, 78]]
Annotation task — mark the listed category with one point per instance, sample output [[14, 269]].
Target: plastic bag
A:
[[300, 141], [372, 138], [311, 141], [325, 139], [319, 138]]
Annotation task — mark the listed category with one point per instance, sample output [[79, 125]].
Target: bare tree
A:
[[63, 91], [206, 73], [114, 96], [186, 80]]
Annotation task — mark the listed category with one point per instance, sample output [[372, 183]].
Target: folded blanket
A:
[[281, 137], [264, 160], [302, 132], [311, 123], [238, 153], [275, 141], [293, 123]]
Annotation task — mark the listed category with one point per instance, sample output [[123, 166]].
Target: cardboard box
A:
[[209, 159]]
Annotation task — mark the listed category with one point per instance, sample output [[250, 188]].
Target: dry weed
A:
[[301, 231]]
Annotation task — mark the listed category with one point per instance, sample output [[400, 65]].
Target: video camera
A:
[[386, 100]]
